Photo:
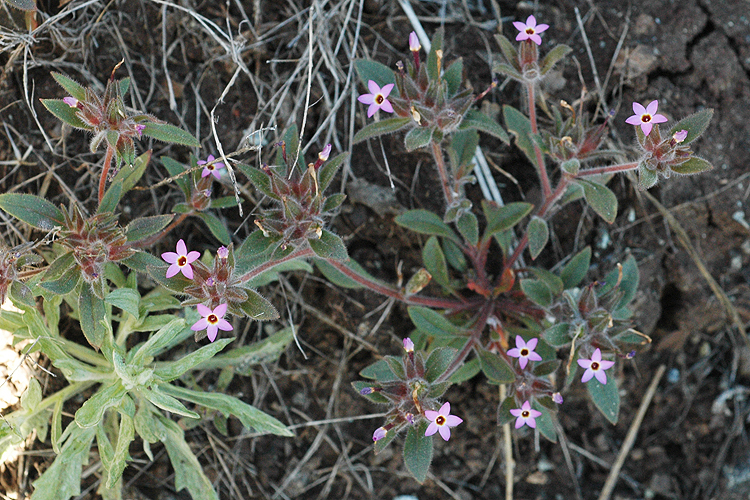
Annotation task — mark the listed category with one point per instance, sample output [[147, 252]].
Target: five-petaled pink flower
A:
[[530, 30], [524, 351], [377, 98], [181, 260], [211, 169], [525, 415], [212, 321], [441, 421], [595, 367], [646, 117]]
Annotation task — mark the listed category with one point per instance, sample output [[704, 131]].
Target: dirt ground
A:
[[688, 54]]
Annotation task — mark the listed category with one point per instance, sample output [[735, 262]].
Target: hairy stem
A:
[[437, 154], [156, 237], [546, 189], [299, 253], [105, 172], [611, 169]]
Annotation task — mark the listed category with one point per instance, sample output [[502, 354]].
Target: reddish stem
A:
[[546, 189], [156, 237], [437, 154], [299, 253], [105, 172], [612, 169]]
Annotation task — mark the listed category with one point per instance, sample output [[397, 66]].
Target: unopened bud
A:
[[414, 44], [222, 252], [557, 398], [366, 391], [379, 434], [408, 345], [71, 101], [680, 136], [323, 155]]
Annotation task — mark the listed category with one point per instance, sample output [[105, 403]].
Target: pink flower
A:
[[557, 398], [379, 434], [323, 155], [139, 128], [211, 169], [680, 136], [414, 44], [71, 101], [595, 367], [441, 421], [180, 261], [408, 345], [212, 321], [526, 415], [530, 30], [646, 117], [524, 351], [377, 98]]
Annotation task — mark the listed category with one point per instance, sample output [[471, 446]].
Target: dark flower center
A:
[[440, 420], [212, 319], [210, 167], [529, 31], [524, 352], [182, 261], [525, 414], [379, 98], [594, 365], [646, 118]]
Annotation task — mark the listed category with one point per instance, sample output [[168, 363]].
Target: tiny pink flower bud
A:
[[410, 418], [525, 415], [212, 321], [379, 434], [680, 136], [139, 128], [442, 421], [222, 252], [646, 117], [366, 391], [210, 282], [557, 398], [408, 345], [414, 44], [524, 351], [323, 155], [377, 98], [530, 30], [180, 260], [595, 367], [71, 101]]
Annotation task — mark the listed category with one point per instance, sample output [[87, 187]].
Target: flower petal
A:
[[658, 119], [445, 432], [534, 357], [597, 356], [523, 361], [212, 331], [634, 120], [601, 376], [431, 429], [199, 325], [386, 106], [584, 363], [193, 256], [387, 89], [430, 414], [526, 406], [519, 25], [170, 257], [520, 421], [652, 107], [531, 344], [516, 412], [372, 109], [646, 128], [535, 413], [531, 22], [203, 310], [638, 109], [173, 269], [519, 38], [445, 410], [373, 87], [187, 271], [587, 376], [541, 27], [531, 422], [536, 39], [224, 325], [181, 248], [452, 420], [366, 98], [221, 310]]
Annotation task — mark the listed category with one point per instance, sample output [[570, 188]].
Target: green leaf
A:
[[380, 371], [463, 147], [434, 261], [259, 179], [188, 472], [538, 236], [251, 417], [537, 291], [504, 415], [454, 75], [257, 307], [244, 358], [22, 295], [432, 59], [519, 125], [175, 168], [143, 227], [418, 137], [28, 5], [557, 335], [694, 165], [171, 370], [600, 198], [216, 226], [166, 402], [31, 398], [466, 372], [72, 87], [92, 311], [64, 113], [546, 368], [509, 50], [62, 480], [475, 119], [273, 274], [432, 322], [381, 127], [333, 202], [328, 171], [438, 361], [111, 198], [337, 277], [495, 367], [425, 222], [62, 276], [329, 246], [371, 70], [646, 178], [499, 218], [544, 423], [605, 397], [126, 299], [120, 457], [92, 410], [159, 341], [575, 270], [224, 202], [124, 85], [695, 125], [508, 70], [32, 210], [468, 226], [418, 452], [553, 56], [166, 132]]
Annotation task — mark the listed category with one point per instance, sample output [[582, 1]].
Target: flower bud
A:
[[379, 434], [408, 345], [414, 44], [557, 398]]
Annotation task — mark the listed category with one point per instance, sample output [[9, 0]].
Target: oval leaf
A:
[[538, 236], [600, 198], [166, 132], [32, 210]]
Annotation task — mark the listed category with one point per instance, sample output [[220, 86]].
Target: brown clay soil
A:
[[689, 54]]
